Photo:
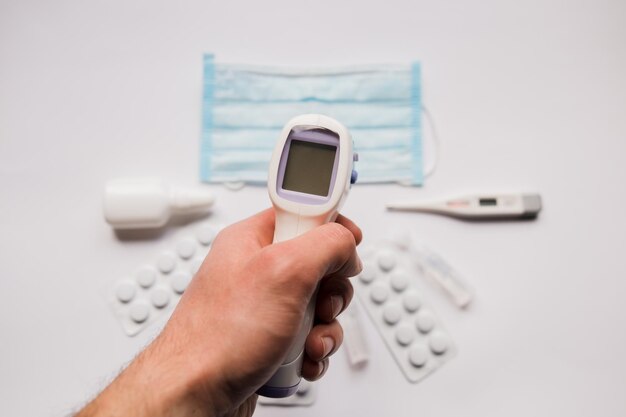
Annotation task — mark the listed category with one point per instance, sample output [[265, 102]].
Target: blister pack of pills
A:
[[389, 291], [155, 287], [305, 396]]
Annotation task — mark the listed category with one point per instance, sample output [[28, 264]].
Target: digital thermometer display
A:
[[488, 201], [309, 167]]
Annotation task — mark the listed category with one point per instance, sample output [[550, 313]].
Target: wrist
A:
[[202, 371], [174, 383], [157, 383]]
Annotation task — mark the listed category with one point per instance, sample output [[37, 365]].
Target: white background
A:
[[528, 95]]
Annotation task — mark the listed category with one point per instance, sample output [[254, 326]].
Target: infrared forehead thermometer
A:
[[309, 178]]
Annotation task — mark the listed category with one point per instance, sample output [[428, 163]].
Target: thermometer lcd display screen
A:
[[488, 202], [309, 167]]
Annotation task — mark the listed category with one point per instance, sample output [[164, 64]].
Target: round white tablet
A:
[[166, 262], [386, 260], [186, 248], [411, 301], [125, 291], [146, 276], [368, 274], [206, 234], [399, 281], [303, 388], [139, 312], [392, 314], [418, 355], [405, 334], [195, 264], [439, 343], [160, 297], [425, 321], [379, 293], [180, 280]]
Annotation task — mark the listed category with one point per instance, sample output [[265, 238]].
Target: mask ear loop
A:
[[234, 185], [434, 140]]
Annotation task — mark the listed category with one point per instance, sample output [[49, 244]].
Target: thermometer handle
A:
[[286, 379]]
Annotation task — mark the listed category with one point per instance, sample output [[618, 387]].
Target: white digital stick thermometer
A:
[[491, 206], [309, 178]]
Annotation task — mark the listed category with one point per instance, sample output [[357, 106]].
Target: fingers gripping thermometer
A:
[[310, 175]]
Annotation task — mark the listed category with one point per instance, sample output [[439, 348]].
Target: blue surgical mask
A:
[[245, 108]]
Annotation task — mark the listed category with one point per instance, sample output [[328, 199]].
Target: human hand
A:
[[238, 318]]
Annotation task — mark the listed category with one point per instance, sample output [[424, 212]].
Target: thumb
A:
[[329, 249]]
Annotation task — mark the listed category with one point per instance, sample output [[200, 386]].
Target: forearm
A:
[[158, 383]]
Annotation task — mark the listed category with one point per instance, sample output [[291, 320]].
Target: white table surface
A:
[[528, 95]]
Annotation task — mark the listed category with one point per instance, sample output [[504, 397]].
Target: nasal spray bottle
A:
[[146, 203], [310, 175]]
